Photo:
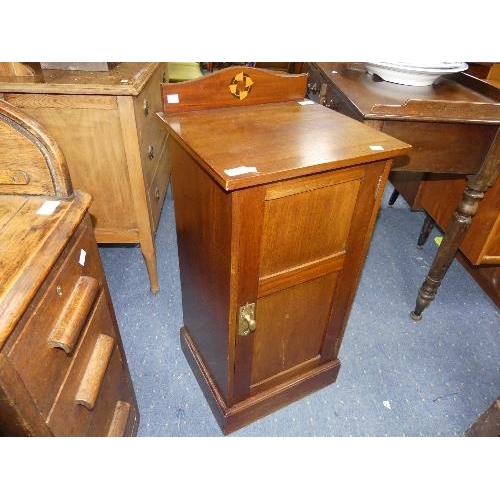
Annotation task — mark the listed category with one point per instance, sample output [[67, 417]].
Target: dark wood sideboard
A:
[[453, 127], [63, 370], [275, 202]]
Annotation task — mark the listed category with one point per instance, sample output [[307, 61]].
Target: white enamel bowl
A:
[[417, 74]]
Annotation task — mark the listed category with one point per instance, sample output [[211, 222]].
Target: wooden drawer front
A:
[[86, 394], [314, 83], [158, 186], [323, 92], [150, 132], [42, 352], [335, 100]]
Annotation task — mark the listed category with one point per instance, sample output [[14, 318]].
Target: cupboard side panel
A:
[[203, 221]]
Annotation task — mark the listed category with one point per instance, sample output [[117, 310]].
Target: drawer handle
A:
[[157, 194], [331, 104], [164, 77], [151, 152], [15, 177], [66, 331], [120, 419], [146, 108], [94, 373]]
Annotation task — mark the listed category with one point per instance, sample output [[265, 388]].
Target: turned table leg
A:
[[457, 227]]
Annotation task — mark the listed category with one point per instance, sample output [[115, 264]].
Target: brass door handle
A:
[[247, 323], [252, 324]]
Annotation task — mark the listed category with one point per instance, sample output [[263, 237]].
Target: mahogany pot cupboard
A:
[[275, 202], [63, 370], [105, 123]]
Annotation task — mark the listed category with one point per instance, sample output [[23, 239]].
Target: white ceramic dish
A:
[[417, 74]]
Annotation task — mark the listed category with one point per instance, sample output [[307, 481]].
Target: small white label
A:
[[173, 98], [125, 80], [376, 147], [83, 254], [48, 207], [176, 127], [240, 170], [305, 102]]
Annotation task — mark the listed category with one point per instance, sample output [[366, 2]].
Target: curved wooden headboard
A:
[[31, 162], [232, 86]]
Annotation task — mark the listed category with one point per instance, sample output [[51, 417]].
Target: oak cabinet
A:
[[105, 123]]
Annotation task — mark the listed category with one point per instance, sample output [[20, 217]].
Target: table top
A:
[[277, 141], [124, 78], [457, 98]]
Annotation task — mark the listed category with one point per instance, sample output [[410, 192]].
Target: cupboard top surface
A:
[[125, 78], [30, 244], [277, 141], [460, 97]]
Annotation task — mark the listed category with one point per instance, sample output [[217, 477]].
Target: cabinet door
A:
[[306, 243]]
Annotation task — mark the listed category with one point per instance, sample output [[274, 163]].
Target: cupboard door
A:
[[306, 274]]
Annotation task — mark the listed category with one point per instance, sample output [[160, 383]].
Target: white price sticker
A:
[[83, 254], [48, 207], [240, 170], [173, 98]]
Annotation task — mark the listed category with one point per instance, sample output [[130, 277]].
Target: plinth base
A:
[[255, 407]]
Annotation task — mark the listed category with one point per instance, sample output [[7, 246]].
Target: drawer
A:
[[150, 132], [96, 381], [158, 187], [336, 101], [314, 83], [42, 351]]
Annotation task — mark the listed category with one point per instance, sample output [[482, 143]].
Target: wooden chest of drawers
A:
[[115, 148], [63, 370], [275, 204]]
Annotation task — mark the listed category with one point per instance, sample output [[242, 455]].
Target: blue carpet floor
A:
[[398, 377]]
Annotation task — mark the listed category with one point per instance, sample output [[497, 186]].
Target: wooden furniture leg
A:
[[427, 227], [458, 225], [393, 198], [146, 235]]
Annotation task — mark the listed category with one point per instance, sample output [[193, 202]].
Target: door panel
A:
[[306, 227], [291, 327]]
